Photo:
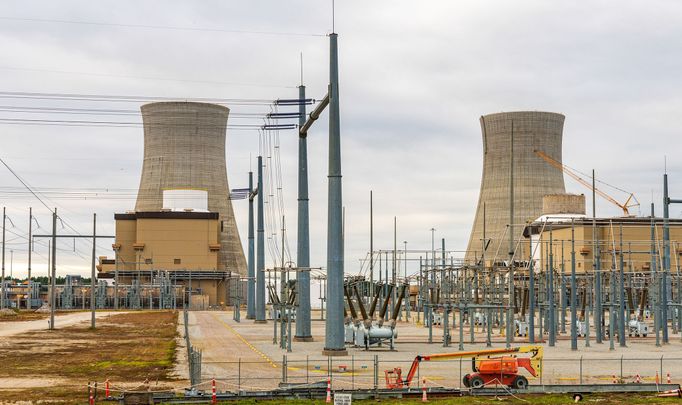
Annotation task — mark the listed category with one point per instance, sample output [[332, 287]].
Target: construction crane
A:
[[486, 369], [630, 202]]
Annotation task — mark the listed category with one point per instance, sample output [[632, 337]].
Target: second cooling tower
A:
[[184, 150], [533, 177]]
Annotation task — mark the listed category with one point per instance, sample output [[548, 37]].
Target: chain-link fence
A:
[[369, 372]]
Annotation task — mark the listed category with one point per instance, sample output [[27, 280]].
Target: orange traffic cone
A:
[[668, 380], [424, 399], [614, 379], [638, 379], [329, 390], [657, 379]]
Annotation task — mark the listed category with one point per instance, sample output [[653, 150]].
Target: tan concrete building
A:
[[186, 244], [636, 241]]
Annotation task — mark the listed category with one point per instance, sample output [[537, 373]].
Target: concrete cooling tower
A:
[[533, 177], [184, 149]]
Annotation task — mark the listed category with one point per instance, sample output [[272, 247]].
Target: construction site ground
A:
[[241, 355], [127, 348]]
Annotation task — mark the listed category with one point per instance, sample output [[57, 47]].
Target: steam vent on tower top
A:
[[184, 153], [533, 177]]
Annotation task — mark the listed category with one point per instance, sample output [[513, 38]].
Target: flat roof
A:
[[166, 215], [565, 222]]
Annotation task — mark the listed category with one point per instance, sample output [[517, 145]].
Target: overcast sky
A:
[[414, 79]]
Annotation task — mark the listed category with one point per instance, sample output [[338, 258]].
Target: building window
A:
[[176, 261], [147, 261]]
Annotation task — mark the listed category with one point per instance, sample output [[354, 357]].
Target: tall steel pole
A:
[[30, 232], [371, 244], [251, 280], [2, 280], [655, 299], [53, 282], [334, 336], [303, 332], [92, 271], [550, 292], [622, 315], [663, 299], [531, 291], [574, 315], [596, 259], [260, 254], [509, 338]]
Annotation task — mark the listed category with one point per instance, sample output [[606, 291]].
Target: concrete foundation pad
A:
[[303, 339], [335, 352]]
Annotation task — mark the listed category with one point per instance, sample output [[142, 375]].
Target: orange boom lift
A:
[[486, 369]]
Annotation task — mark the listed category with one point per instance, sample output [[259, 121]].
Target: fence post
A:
[[307, 370], [460, 372], [621, 367], [376, 371], [661, 374], [352, 373], [581, 369], [239, 374], [284, 368]]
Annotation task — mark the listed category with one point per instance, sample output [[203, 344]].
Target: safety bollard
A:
[[657, 379], [213, 396], [614, 379], [638, 379], [329, 390], [667, 378], [106, 388], [424, 398]]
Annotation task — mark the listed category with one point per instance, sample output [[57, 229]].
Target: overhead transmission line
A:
[[162, 27]]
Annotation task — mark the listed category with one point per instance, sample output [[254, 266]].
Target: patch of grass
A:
[[124, 347]]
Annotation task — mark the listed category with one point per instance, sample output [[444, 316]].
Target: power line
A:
[[162, 27], [127, 98], [145, 77]]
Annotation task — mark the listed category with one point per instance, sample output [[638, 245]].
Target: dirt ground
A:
[[31, 321], [126, 348], [242, 355]]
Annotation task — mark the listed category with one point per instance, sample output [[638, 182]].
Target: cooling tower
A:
[[184, 149], [533, 177]]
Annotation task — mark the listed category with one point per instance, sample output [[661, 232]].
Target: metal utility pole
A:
[[53, 282], [531, 291], [655, 299], [251, 280], [596, 259], [2, 280], [666, 255], [30, 231], [574, 315], [550, 292], [53, 239], [334, 336], [260, 254], [509, 338], [92, 272], [622, 315], [303, 332], [371, 242]]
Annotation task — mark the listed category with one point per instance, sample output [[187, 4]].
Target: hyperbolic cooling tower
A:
[[184, 149], [533, 177]]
